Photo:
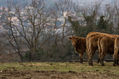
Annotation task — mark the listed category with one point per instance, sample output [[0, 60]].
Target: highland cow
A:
[[105, 46], [92, 43], [79, 44]]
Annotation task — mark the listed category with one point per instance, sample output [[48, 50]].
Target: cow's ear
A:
[[70, 38]]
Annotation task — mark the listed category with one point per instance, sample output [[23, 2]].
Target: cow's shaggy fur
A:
[[105, 46], [92, 43], [79, 44]]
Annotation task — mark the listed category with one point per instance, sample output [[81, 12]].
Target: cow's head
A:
[[74, 40]]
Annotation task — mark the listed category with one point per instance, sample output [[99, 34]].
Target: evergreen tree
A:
[[102, 23]]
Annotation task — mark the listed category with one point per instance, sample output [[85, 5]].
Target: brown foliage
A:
[[79, 44]]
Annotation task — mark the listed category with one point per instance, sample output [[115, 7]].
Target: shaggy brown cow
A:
[[92, 43], [79, 44], [105, 46]]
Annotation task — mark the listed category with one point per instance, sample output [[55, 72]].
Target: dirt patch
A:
[[15, 74]]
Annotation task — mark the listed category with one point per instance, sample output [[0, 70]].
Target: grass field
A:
[[61, 70]]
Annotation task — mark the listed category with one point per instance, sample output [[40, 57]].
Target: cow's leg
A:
[[102, 60], [118, 59], [88, 51], [102, 55], [90, 57], [81, 57], [98, 61], [115, 57], [99, 55], [117, 62]]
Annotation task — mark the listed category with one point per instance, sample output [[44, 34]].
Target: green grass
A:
[[59, 66]]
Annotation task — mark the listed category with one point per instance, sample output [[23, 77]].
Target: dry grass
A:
[[57, 70], [63, 67]]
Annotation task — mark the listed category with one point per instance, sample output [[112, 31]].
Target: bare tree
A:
[[29, 28]]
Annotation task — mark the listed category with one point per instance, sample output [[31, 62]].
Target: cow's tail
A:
[[99, 48]]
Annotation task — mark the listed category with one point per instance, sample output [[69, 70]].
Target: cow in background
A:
[[79, 44]]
